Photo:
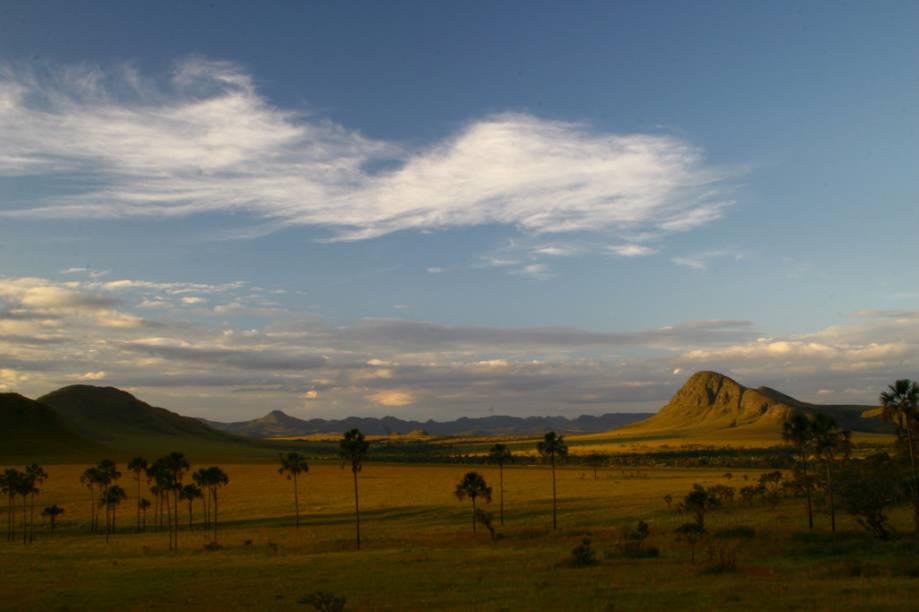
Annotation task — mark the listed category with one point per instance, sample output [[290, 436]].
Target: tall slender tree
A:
[[143, 504], [176, 465], [830, 444], [900, 406], [352, 449], [552, 448], [201, 478], [500, 454], [798, 432], [90, 479], [138, 466], [112, 497], [473, 486], [292, 465], [216, 478], [190, 493], [9, 484], [36, 475]]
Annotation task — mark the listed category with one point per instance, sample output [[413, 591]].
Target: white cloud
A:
[[632, 250], [701, 261], [205, 140], [535, 271], [392, 397], [92, 376]]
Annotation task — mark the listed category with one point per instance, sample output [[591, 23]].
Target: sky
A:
[[435, 210]]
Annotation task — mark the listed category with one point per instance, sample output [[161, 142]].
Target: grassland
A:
[[419, 552]]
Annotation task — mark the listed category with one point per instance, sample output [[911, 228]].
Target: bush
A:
[[866, 489], [583, 555], [325, 602]]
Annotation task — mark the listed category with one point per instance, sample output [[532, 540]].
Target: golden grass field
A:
[[419, 552]]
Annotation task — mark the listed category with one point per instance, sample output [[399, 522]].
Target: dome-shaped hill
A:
[[33, 430], [710, 400], [714, 405]]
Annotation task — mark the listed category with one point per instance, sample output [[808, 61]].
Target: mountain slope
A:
[[127, 424], [277, 423], [33, 430], [714, 404]]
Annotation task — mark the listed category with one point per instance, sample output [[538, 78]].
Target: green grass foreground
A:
[[419, 552]]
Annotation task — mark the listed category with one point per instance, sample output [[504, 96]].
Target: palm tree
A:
[[10, 484], [25, 486], [37, 475], [190, 493], [500, 454], [292, 465], [214, 478], [899, 406], [200, 477], [142, 505], [549, 448], [353, 449], [90, 478], [138, 465], [798, 432], [176, 465], [52, 512], [830, 443], [113, 496], [473, 486]]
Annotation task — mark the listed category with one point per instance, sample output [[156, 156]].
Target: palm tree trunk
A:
[[829, 490], [807, 491], [501, 486], [554, 503], [32, 519], [138, 502], [215, 514], [915, 482], [175, 504], [189, 515], [25, 520], [296, 501], [357, 511], [473, 514]]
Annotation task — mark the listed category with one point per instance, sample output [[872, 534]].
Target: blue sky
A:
[[439, 210]]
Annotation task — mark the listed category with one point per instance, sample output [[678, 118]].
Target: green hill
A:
[[128, 425], [31, 431]]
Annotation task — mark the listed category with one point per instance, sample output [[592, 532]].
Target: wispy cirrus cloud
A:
[[204, 140]]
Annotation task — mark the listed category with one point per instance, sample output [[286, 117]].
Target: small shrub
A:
[[325, 602], [212, 546], [583, 555], [486, 519]]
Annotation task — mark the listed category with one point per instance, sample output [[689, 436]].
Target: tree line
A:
[[821, 451]]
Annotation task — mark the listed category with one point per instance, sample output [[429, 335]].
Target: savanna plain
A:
[[419, 550]]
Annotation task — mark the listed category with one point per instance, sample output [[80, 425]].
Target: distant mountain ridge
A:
[[712, 402], [277, 423]]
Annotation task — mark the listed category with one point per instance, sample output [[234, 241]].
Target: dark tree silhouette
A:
[[473, 486], [190, 493], [143, 504], [551, 448], [52, 512], [698, 501], [112, 497], [899, 406], [798, 432], [213, 478], [200, 478], [830, 444], [692, 534], [138, 466], [91, 478], [292, 465], [11, 483], [36, 475], [352, 449], [500, 454]]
